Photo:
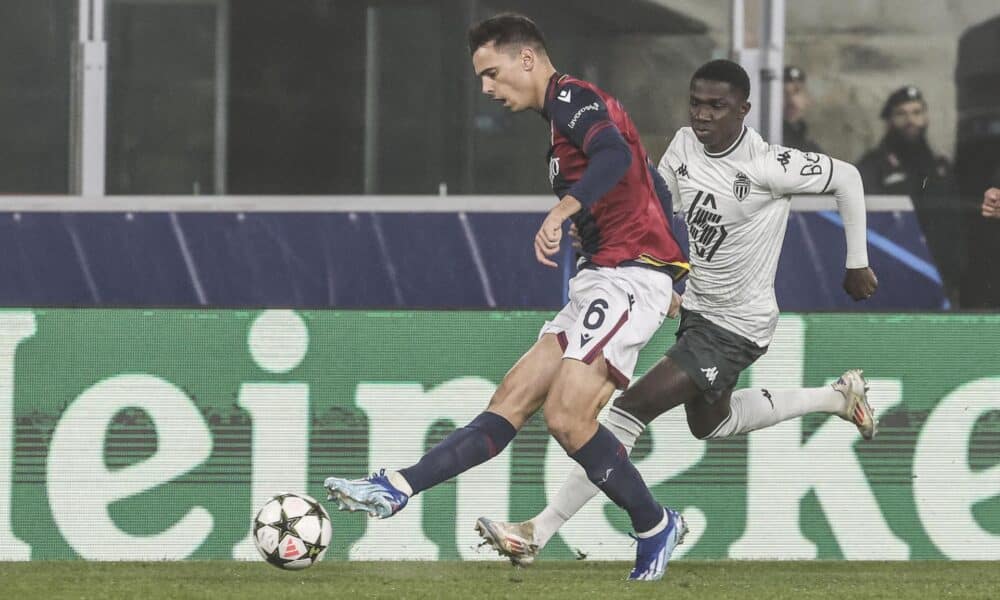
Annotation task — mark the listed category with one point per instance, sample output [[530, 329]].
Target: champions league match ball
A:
[[292, 531]]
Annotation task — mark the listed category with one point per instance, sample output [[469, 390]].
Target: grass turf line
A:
[[718, 580]]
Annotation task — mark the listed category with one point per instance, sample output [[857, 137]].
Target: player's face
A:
[[506, 75], [909, 119], [717, 111]]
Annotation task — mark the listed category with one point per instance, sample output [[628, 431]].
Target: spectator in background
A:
[[991, 203], [903, 163], [797, 102]]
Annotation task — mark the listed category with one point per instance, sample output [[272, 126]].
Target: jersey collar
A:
[[550, 91], [728, 150]]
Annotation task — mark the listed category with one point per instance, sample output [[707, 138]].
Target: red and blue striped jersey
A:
[[626, 225]]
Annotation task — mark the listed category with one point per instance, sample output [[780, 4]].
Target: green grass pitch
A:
[[715, 580]]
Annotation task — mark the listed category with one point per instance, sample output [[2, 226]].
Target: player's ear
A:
[[744, 109], [527, 58]]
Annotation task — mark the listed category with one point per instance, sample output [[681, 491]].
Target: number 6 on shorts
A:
[[597, 324]]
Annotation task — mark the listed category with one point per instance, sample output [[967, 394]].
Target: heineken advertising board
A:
[[154, 434]]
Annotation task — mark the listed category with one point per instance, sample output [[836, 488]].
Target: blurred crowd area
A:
[[379, 97]]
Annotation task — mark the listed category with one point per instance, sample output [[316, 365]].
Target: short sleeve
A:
[[579, 113], [787, 171]]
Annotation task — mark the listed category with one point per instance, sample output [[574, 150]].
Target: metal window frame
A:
[[88, 113], [757, 41], [88, 95]]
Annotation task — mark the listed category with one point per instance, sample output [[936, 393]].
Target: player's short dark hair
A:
[[504, 30], [725, 71]]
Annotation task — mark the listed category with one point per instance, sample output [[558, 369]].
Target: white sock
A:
[[655, 530], [577, 490], [751, 409], [399, 482]]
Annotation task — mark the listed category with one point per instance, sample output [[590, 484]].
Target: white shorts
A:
[[614, 312]]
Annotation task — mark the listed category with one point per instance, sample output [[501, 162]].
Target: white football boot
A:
[[854, 387], [513, 540]]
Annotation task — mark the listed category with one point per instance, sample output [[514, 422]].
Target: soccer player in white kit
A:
[[734, 190]]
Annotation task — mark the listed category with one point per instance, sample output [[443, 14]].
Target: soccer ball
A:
[[292, 531]]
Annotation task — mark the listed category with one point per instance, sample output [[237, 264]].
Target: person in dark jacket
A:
[[904, 164]]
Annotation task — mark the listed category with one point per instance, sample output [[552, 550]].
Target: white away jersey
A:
[[736, 204]]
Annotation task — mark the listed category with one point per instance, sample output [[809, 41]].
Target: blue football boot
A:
[[374, 495], [653, 553]]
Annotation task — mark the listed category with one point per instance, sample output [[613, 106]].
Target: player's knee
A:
[[513, 397], [641, 406], [705, 425], [701, 430], [662, 388], [561, 424]]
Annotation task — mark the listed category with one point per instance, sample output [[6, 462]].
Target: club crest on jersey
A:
[[553, 169], [741, 186]]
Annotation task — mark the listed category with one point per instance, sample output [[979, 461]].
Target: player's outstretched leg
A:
[[518, 397], [383, 495], [751, 409]]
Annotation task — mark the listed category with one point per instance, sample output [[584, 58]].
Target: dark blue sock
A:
[[606, 463], [482, 439]]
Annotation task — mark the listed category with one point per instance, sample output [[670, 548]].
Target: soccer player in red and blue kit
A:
[[617, 301]]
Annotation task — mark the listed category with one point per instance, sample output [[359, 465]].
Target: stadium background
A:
[[177, 340]]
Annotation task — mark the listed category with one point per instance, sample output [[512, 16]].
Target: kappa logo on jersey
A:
[[784, 158], [683, 170], [553, 169], [564, 95], [704, 231], [741, 186], [710, 374]]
